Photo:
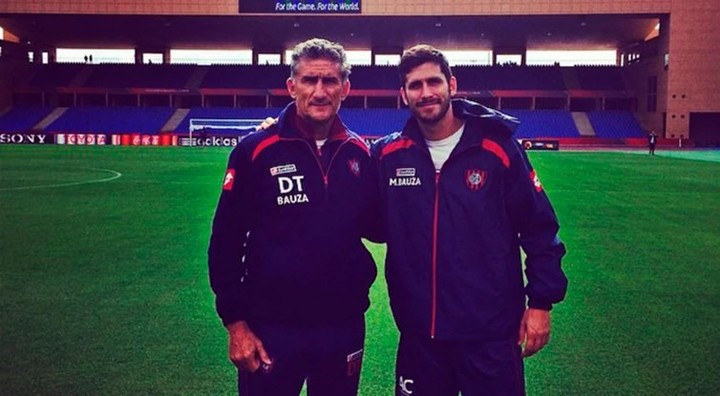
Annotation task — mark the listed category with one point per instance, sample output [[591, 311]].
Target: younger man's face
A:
[[428, 93]]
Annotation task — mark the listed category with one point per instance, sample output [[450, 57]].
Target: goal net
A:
[[202, 127]]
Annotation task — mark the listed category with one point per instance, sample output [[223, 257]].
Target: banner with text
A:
[[25, 138], [209, 141], [541, 144], [81, 139], [299, 6], [139, 139]]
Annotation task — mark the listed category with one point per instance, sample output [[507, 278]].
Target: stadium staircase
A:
[[195, 79], [175, 120], [50, 118], [81, 78], [570, 78], [582, 123]]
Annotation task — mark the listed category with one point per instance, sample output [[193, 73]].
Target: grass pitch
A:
[[104, 290]]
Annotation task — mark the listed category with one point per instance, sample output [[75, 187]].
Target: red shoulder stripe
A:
[[395, 146], [265, 144], [495, 148]]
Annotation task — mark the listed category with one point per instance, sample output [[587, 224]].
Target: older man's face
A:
[[318, 89]]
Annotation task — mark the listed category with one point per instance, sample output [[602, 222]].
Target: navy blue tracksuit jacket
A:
[[453, 263], [286, 239]]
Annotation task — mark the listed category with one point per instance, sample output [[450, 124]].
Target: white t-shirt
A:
[[320, 143], [440, 149]]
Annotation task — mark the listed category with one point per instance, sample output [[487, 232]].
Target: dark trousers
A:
[[328, 357], [427, 367]]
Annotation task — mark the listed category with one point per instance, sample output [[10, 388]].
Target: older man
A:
[[287, 264]]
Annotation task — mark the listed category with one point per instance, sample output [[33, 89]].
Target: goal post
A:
[[238, 126], [243, 124]]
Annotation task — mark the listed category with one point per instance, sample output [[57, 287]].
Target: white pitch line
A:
[[115, 175]]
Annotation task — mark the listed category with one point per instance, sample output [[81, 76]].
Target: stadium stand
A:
[[112, 120], [544, 124], [246, 76], [139, 76], [615, 124], [366, 122], [509, 77], [374, 122], [55, 75], [600, 78], [375, 77], [22, 118], [93, 82], [473, 78]]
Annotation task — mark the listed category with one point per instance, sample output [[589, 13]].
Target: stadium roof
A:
[[354, 32]]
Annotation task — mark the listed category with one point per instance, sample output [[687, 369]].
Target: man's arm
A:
[[536, 223], [226, 262], [227, 241]]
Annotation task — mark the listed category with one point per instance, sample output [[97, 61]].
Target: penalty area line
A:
[[115, 175]]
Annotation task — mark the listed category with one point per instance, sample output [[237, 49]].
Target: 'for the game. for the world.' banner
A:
[[299, 6]]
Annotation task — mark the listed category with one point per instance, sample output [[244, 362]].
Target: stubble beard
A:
[[432, 120]]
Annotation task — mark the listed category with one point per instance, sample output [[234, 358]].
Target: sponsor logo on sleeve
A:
[[229, 180], [536, 181], [475, 179]]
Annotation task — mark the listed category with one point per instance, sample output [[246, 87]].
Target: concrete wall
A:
[[694, 50]]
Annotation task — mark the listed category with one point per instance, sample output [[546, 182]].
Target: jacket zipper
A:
[[434, 260], [436, 214], [317, 160], [436, 217]]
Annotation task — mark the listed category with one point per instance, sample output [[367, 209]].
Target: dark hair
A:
[[421, 54], [317, 48]]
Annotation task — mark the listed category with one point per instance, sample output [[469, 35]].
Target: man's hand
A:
[[267, 123], [246, 351], [534, 330]]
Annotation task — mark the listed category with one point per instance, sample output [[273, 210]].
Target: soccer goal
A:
[[200, 127]]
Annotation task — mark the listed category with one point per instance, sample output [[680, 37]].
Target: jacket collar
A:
[[290, 125]]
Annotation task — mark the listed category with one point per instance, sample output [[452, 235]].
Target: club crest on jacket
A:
[[354, 166], [475, 179]]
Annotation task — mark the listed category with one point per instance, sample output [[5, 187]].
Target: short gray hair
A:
[[317, 48]]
